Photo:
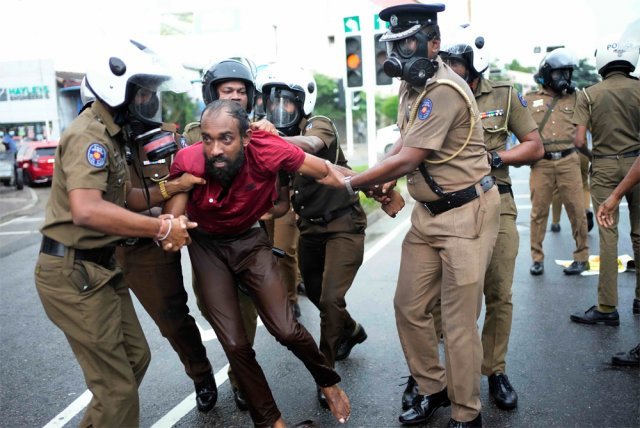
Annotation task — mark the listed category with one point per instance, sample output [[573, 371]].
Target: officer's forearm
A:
[[528, 151], [137, 198]]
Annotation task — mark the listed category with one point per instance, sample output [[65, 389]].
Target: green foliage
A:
[[515, 66], [585, 74], [386, 110], [178, 109], [325, 103]]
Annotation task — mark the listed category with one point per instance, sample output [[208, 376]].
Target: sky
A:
[[70, 31]]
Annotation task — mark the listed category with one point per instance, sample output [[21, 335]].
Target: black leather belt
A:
[[323, 221], [558, 155], [101, 256], [459, 198], [504, 188], [621, 155]]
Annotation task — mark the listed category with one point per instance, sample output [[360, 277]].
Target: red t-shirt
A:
[[252, 192]]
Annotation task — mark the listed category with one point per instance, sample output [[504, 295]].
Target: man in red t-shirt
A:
[[241, 168]]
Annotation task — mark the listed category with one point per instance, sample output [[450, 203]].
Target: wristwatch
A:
[[496, 160]]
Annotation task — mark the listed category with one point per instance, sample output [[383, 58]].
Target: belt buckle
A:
[[556, 155], [426, 207]]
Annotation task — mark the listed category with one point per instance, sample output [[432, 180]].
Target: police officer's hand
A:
[[395, 202], [178, 235], [264, 125], [606, 211], [333, 177], [184, 183]]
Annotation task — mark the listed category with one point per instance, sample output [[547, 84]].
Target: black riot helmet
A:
[[224, 71], [556, 69]]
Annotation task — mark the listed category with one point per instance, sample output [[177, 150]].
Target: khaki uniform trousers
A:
[[92, 306], [329, 263], [605, 176], [155, 277], [284, 233], [498, 282], [556, 204], [545, 175], [452, 268]]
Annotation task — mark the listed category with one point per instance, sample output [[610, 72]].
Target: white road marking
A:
[[19, 232], [71, 411]]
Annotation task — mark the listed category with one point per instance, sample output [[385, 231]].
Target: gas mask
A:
[[142, 124], [560, 80], [403, 59]]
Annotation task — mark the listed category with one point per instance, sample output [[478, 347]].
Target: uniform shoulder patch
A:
[[309, 125], [425, 109], [97, 155], [522, 100]]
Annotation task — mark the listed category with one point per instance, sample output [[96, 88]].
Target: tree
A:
[[515, 66], [585, 74], [178, 109]]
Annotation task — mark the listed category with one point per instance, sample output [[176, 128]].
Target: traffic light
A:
[[380, 55], [338, 93], [353, 46]]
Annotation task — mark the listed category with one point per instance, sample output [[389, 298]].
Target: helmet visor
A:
[[145, 104], [282, 108]]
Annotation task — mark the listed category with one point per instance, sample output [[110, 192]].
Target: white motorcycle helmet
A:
[[466, 45], [86, 96], [615, 54], [131, 71], [284, 87]]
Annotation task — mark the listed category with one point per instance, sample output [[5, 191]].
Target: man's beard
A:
[[226, 174]]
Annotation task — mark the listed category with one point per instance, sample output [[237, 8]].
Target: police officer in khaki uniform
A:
[[81, 287], [556, 203], [552, 108], [610, 109], [332, 223], [454, 224], [502, 110]]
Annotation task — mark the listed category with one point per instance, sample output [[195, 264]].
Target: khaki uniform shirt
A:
[[559, 131], [614, 118], [442, 126], [88, 157], [191, 134], [502, 110]]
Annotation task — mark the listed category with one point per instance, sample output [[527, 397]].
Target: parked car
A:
[[9, 174], [386, 138], [37, 159]]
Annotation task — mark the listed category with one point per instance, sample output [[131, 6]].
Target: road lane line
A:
[[385, 240], [71, 411], [187, 405], [19, 232]]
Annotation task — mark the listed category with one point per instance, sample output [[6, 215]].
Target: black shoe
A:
[[422, 411], [555, 227], [296, 310], [241, 402], [477, 422], [537, 268], [576, 268], [206, 394], [502, 392], [322, 399], [410, 394], [344, 349], [593, 316], [636, 306], [631, 358], [301, 289], [589, 221]]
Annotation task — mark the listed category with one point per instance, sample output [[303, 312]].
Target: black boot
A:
[[477, 422], [410, 394], [502, 392], [357, 336], [422, 411]]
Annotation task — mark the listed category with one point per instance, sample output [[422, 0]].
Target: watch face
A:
[[496, 160]]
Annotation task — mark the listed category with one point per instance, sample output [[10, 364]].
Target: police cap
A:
[[407, 19]]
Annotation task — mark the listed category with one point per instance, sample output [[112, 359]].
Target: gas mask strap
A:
[[472, 114]]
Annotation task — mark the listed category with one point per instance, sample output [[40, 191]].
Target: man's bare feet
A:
[[279, 424], [338, 402]]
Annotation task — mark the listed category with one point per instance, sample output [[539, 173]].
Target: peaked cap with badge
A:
[[407, 19]]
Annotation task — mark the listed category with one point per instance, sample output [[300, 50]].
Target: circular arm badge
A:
[[425, 109], [97, 155]]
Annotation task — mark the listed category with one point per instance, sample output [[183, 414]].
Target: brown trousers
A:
[[219, 263], [436, 263], [92, 306], [155, 277], [545, 176], [556, 203], [605, 176], [284, 235]]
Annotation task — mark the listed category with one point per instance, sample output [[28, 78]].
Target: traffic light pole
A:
[[369, 80]]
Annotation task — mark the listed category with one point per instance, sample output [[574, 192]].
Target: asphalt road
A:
[[561, 370]]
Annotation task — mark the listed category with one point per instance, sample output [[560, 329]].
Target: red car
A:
[[37, 159]]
